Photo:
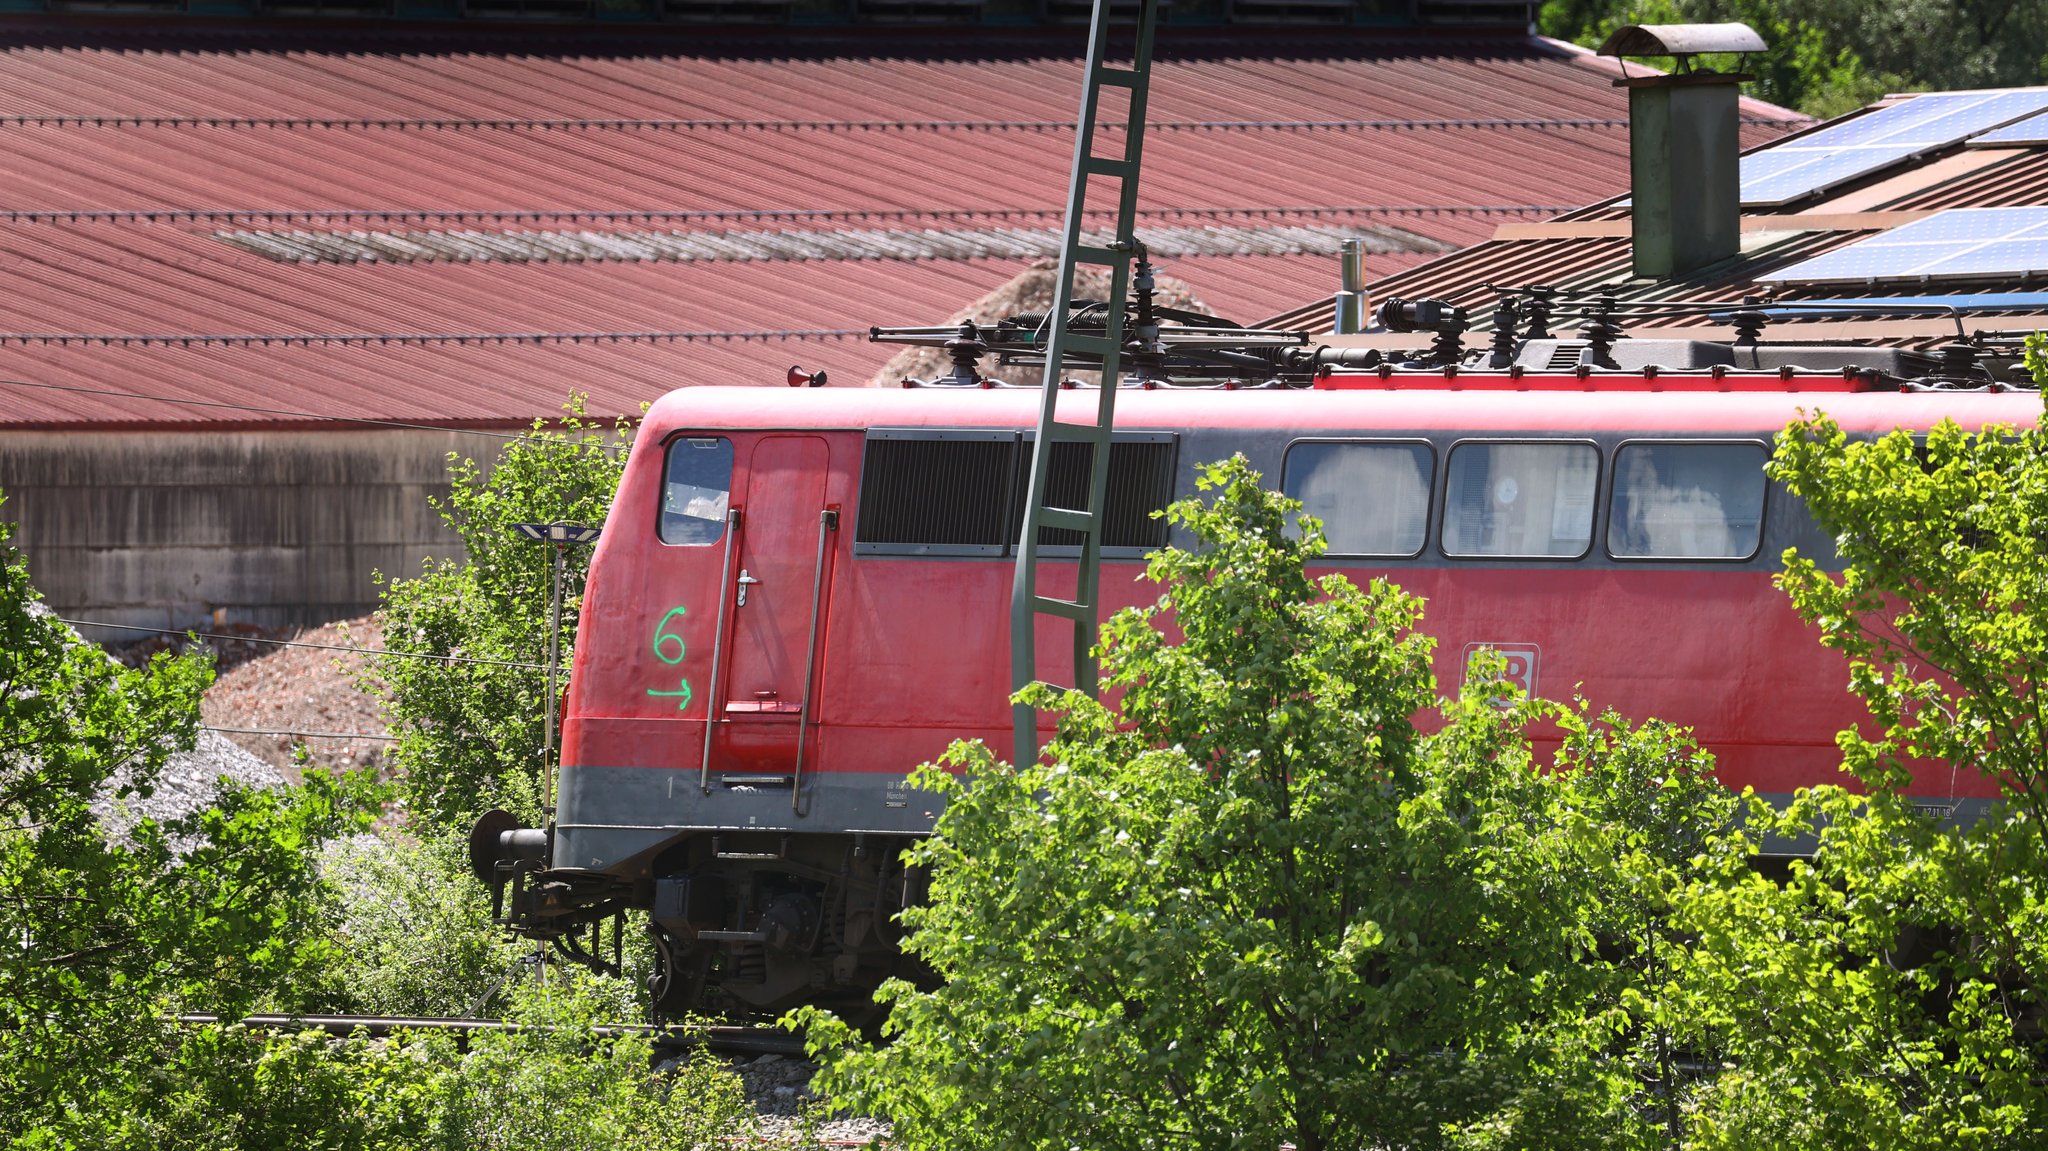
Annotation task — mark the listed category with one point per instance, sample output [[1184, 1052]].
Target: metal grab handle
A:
[[732, 531], [828, 522]]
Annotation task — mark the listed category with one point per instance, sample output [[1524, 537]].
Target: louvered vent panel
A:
[[1565, 356], [1140, 483], [937, 495]]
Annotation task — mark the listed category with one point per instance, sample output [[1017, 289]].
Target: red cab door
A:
[[776, 602]]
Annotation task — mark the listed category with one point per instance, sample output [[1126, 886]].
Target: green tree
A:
[[1621, 1058], [1827, 57], [1888, 992], [471, 730], [1245, 904], [106, 933]]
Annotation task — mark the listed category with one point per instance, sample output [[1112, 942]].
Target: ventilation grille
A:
[[962, 492], [939, 495], [1565, 356], [919, 11], [1140, 483]]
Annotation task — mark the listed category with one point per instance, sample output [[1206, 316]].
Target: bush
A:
[[554, 1085], [412, 929]]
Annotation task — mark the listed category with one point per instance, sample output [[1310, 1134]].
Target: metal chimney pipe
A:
[[1352, 304], [1684, 143]]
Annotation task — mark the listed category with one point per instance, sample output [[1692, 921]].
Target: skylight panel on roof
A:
[[1961, 243], [1821, 160]]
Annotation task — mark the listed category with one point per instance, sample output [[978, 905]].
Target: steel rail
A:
[[725, 1038]]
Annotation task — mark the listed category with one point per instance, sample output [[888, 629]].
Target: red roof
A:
[[468, 225]]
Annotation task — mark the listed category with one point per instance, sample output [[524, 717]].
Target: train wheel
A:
[[680, 971]]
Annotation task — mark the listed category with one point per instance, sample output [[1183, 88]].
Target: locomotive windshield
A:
[[696, 490]]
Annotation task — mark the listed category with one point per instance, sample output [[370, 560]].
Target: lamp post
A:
[[561, 535]]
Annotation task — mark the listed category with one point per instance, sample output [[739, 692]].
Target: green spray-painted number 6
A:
[[669, 649], [665, 640]]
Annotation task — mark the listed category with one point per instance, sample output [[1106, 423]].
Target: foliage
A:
[[1249, 904], [1620, 1060], [1827, 57], [471, 734], [216, 911], [1887, 992], [556, 1085], [1855, 1001], [413, 929]]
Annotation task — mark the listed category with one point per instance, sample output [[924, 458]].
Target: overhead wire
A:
[[300, 734], [537, 215], [372, 651], [723, 125], [251, 408]]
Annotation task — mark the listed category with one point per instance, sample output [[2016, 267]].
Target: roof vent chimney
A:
[[1684, 142], [1353, 305]]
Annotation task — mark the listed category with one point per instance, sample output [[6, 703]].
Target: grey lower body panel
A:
[[606, 816], [1945, 812]]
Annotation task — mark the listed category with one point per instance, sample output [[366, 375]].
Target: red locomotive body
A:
[[800, 596]]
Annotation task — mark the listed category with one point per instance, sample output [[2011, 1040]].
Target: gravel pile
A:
[[1030, 291], [189, 779], [779, 1088], [187, 785], [310, 695]]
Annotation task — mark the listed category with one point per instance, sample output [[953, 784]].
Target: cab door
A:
[[777, 601]]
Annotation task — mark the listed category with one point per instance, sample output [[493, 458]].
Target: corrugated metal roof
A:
[[1586, 253], [793, 188]]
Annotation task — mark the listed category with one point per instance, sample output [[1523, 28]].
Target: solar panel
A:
[[1960, 243], [1964, 301], [1803, 172], [1813, 163], [2032, 130]]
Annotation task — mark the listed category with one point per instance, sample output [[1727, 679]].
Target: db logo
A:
[[1520, 659]]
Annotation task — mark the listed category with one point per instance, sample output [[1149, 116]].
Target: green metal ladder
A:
[[1026, 604]]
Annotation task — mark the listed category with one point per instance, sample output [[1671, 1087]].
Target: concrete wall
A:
[[182, 529]]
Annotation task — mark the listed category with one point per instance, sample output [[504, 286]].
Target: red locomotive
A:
[[801, 595]]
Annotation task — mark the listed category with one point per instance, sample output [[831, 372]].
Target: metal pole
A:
[[732, 531], [828, 522], [547, 752]]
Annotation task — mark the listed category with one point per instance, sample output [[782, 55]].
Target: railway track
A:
[[724, 1040]]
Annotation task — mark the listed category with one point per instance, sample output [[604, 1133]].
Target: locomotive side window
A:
[[1372, 498], [1687, 501], [696, 490], [1522, 500], [936, 492]]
